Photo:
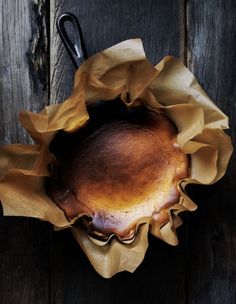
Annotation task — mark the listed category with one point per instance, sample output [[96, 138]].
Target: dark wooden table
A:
[[38, 265]]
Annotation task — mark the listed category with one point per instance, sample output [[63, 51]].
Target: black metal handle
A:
[[75, 49]]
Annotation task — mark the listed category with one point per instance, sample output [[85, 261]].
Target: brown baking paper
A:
[[122, 70]]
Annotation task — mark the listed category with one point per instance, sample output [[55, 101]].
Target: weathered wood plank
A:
[[162, 275], [23, 64], [24, 256], [24, 243], [212, 230], [105, 23]]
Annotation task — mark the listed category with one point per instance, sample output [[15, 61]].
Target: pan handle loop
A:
[[75, 47]]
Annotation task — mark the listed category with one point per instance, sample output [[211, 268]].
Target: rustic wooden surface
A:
[[38, 265], [212, 232], [24, 243]]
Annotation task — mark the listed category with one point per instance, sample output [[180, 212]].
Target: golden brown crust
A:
[[123, 171]]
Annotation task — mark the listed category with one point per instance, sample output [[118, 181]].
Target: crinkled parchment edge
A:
[[122, 70]]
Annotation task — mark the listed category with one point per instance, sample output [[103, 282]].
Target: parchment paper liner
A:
[[122, 70]]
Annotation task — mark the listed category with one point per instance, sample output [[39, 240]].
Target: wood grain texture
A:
[[24, 243], [41, 266], [23, 64], [212, 230], [107, 22], [104, 23]]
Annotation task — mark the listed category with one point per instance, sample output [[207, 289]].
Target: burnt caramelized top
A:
[[122, 166]]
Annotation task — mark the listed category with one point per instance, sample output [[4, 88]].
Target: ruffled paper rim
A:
[[124, 71]]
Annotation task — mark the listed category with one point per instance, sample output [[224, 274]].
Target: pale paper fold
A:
[[122, 70], [115, 256]]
